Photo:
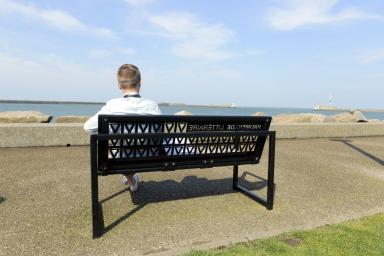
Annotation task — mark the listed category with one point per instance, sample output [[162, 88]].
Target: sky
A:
[[271, 53]]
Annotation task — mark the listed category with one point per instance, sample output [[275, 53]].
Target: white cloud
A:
[[50, 77], [59, 19], [53, 18], [193, 38], [189, 37], [372, 56], [299, 13]]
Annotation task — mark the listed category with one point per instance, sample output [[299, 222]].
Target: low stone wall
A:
[[24, 117], [327, 130], [29, 135]]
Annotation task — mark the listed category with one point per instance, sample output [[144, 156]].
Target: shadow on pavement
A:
[[2, 199], [362, 151], [189, 187]]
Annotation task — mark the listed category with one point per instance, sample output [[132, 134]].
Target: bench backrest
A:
[[175, 142]]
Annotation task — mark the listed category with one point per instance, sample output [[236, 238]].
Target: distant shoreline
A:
[[334, 108], [168, 104], [171, 105], [100, 103], [50, 102], [351, 110]]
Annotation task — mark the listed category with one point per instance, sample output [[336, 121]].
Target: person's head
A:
[[128, 77]]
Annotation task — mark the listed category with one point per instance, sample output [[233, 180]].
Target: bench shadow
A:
[[189, 187], [360, 150]]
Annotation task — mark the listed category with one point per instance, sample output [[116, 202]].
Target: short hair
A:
[[128, 76]]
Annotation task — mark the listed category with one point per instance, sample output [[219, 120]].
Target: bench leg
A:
[[268, 203], [235, 177], [97, 214], [271, 171]]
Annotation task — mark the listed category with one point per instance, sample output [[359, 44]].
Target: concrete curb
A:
[[327, 130], [32, 135], [55, 134]]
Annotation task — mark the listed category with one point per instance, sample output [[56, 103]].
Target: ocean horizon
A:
[[89, 108]]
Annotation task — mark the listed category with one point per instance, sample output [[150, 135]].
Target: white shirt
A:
[[123, 106]]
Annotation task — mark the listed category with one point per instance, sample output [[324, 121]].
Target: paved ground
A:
[[45, 200]]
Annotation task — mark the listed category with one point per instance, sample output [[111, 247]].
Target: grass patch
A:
[[358, 237]]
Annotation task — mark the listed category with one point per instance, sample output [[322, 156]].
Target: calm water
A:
[[90, 109]]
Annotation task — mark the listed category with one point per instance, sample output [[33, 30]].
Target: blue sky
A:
[[283, 53]]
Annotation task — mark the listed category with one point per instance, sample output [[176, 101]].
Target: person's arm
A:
[[91, 125], [157, 110], [152, 109]]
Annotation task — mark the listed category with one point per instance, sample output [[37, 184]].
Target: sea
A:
[[87, 109]]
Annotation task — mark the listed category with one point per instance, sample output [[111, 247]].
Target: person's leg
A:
[[132, 180]]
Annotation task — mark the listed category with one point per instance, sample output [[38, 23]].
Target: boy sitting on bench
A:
[[129, 82]]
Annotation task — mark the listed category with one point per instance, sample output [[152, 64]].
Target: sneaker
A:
[[124, 180], [135, 184]]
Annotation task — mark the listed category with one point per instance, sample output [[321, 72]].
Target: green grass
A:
[[358, 237]]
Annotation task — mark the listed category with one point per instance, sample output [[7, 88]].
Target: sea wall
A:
[[55, 134]]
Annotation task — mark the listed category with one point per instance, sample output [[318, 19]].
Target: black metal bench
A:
[[126, 144]]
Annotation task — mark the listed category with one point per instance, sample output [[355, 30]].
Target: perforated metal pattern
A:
[[180, 138]]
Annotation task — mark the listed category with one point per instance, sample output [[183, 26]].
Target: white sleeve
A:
[[157, 110], [150, 108], [91, 125]]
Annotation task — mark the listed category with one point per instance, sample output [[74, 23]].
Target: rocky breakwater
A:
[[346, 117], [24, 117], [301, 118], [259, 114], [183, 113], [72, 119]]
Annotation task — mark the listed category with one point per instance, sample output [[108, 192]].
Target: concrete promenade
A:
[[45, 199]]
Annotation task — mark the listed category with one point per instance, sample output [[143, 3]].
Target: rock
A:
[[302, 118], [345, 117], [72, 119], [359, 117], [24, 117], [322, 119], [325, 107], [356, 116], [259, 114], [375, 121], [290, 118], [183, 113]]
